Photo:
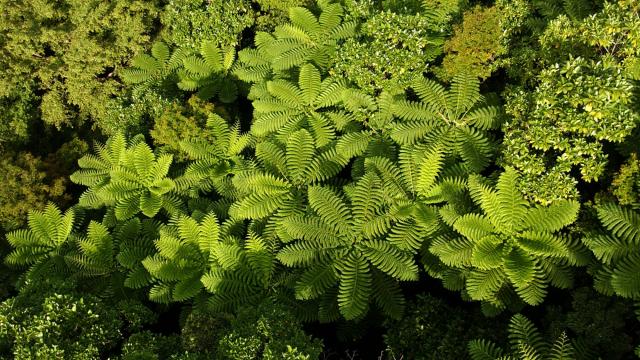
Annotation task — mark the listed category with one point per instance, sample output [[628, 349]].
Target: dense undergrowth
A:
[[355, 179]]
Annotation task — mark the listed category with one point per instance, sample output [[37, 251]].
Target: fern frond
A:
[[622, 222], [355, 286]]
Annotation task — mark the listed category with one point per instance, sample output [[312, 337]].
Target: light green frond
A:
[[452, 252], [607, 248], [414, 111], [353, 144], [622, 222], [562, 349], [309, 82], [464, 93], [256, 206], [542, 244], [300, 152], [551, 218], [355, 286], [286, 92], [410, 132], [315, 281], [212, 56], [484, 350], [311, 229], [487, 253], [485, 284], [429, 169], [522, 331], [331, 208], [474, 148], [519, 267], [625, 280], [431, 93], [483, 118], [393, 262], [474, 226]]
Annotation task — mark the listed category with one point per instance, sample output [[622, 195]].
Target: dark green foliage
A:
[[432, 329], [26, 186], [525, 342], [267, 332], [596, 322]]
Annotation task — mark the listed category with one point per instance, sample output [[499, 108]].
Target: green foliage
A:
[[617, 251], [431, 328], [128, 176], [19, 110], [582, 98], [48, 321], [307, 38], [41, 247], [512, 243], [476, 46], [267, 332], [626, 184], [455, 120], [345, 243], [187, 22], [286, 107], [70, 49], [526, 343], [275, 12], [28, 184], [391, 50], [181, 123]]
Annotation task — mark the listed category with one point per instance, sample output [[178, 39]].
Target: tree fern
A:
[[129, 177], [210, 73], [308, 38], [617, 250], [526, 343], [43, 245], [457, 119], [286, 169], [213, 162], [286, 107], [511, 241], [343, 241], [148, 69]]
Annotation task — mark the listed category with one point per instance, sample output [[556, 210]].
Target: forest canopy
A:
[[320, 179]]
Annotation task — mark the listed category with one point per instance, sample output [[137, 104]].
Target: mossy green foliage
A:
[[70, 49], [476, 45], [30, 182]]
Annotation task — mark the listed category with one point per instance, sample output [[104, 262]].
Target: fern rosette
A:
[[345, 243], [511, 243], [43, 245], [129, 177]]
